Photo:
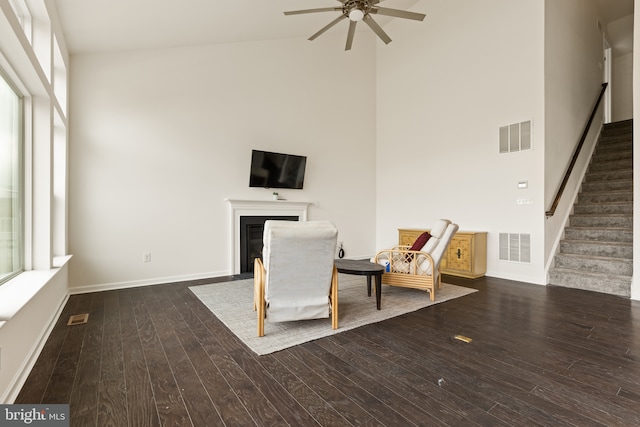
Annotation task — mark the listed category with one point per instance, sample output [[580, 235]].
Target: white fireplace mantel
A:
[[238, 208]]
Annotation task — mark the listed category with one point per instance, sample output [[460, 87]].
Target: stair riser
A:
[[600, 186], [606, 139], [616, 267], [617, 130], [596, 249], [612, 156], [601, 221], [609, 285], [609, 175], [622, 143], [601, 208], [622, 236], [611, 197], [614, 165]]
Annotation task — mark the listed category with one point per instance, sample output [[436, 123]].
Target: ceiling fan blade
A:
[[326, 27], [322, 9], [352, 31], [376, 29], [398, 13]]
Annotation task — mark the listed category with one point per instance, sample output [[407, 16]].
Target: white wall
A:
[[622, 87], [573, 79], [160, 138], [444, 89]]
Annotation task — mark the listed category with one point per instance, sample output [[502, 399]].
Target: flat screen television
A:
[[276, 170]]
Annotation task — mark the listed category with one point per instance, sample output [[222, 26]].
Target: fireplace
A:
[[257, 208], [251, 230]]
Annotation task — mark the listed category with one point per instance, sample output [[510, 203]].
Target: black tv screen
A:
[[276, 170]]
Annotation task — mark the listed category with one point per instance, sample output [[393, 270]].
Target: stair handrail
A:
[[576, 153]]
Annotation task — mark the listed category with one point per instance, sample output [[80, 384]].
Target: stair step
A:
[[612, 165], [613, 143], [612, 155], [617, 127], [621, 250], [618, 208], [609, 175], [607, 185], [606, 220], [606, 196], [597, 282], [608, 138], [595, 264], [611, 235]]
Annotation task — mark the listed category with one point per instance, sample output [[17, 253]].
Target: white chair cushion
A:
[[298, 259]]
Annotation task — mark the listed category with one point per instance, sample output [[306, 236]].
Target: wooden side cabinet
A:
[[465, 257]]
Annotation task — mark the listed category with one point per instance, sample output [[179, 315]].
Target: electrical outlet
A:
[[146, 257]]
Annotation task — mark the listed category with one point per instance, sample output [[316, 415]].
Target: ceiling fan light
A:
[[356, 14]]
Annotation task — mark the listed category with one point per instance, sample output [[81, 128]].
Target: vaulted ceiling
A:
[[114, 25], [98, 25]]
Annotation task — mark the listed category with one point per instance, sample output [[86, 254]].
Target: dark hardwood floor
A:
[[540, 356]]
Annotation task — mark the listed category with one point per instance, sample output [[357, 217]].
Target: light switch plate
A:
[[524, 201]]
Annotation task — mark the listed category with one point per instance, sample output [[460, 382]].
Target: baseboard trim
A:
[[145, 282], [22, 374]]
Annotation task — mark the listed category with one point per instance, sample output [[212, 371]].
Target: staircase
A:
[[596, 253]]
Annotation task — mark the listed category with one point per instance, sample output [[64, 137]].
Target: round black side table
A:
[[363, 268]]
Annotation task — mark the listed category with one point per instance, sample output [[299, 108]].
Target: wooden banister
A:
[[576, 153]]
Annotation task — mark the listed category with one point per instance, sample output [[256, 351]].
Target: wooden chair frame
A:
[[405, 270]]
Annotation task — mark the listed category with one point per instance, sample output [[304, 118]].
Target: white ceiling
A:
[[114, 25], [612, 10]]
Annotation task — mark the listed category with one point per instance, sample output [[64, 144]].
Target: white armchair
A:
[[297, 279], [419, 269]]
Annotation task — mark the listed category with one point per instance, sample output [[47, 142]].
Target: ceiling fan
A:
[[359, 10]]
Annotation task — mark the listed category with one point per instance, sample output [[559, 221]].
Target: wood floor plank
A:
[[41, 373], [141, 403], [331, 393], [410, 385], [414, 405], [540, 356], [169, 403], [112, 406], [83, 401], [232, 387]]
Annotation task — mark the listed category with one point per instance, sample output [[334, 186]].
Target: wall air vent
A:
[[515, 137], [515, 247]]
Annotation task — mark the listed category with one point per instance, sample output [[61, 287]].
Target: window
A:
[[24, 17], [11, 179]]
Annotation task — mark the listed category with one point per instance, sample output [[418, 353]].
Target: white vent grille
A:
[[515, 137], [515, 247]]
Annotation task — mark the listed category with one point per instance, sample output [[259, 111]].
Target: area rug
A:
[[232, 303]]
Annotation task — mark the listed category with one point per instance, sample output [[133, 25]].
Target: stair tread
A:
[[597, 257], [594, 204], [590, 273], [605, 214], [624, 191], [599, 242]]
